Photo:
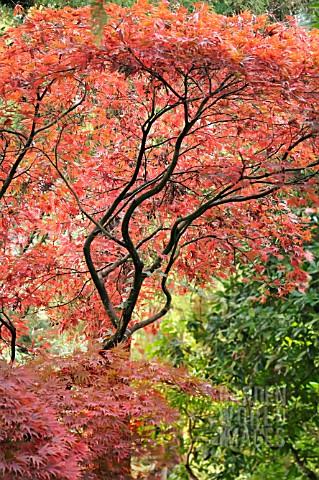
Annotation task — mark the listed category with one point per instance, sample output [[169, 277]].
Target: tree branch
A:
[[9, 325]]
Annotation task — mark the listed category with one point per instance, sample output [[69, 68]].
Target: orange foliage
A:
[[181, 140]]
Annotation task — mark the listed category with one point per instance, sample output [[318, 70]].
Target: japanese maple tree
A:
[[80, 416], [178, 141]]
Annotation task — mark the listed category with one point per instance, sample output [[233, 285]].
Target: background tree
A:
[[226, 7], [267, 354]]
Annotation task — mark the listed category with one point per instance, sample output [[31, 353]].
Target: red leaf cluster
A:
[[185, 139], [84, 416]]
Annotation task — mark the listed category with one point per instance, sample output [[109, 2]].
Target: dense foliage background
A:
[[266, 349]]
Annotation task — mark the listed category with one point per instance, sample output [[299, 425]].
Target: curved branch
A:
[[34, 132], [9, 325], [302, 463], [15, 166]]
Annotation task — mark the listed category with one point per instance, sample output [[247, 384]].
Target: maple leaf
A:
[[309, 256], [18, 10]]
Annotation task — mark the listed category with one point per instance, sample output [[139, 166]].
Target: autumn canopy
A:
[[180, 142]]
